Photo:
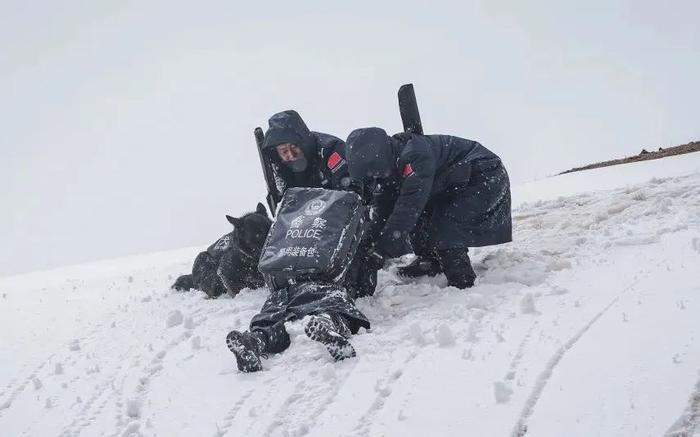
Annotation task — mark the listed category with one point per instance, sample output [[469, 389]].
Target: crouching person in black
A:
[[435, 196], [304, 158], [305, 261]]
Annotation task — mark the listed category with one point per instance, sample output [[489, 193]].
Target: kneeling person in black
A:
[[304, 158], [434, 195]]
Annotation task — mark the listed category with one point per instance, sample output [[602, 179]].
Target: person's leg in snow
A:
[[421, 266], [457, 267], [333, 319], [333, 332], [250, 347], [361, 278], [426, 262]]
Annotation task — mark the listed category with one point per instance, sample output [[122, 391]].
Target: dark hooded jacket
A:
[[458, 188], [325, 154], [326, 168]]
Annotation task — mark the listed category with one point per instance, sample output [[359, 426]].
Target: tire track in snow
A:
[[150, 371], [101, 392], [688, 425], [134, 415], [10, 385], [515, 362], [266, 399], [520, 428], [76, 345], [106, 390], [232, 413], [87, 413], [303, 403], [7, 403], [291, 400], [383, 387], [16, 391], [13, 382]]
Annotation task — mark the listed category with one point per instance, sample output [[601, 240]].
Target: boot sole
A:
[[337, 346], [247, 360]]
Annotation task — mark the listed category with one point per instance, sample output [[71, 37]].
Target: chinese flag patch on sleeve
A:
[[407, 170], [334, 160]]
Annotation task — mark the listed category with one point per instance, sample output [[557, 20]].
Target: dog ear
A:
[[236, 222], [261, 209]]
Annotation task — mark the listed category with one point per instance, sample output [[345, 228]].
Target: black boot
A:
[[457, 267], [361, 277], [248, 347], [363, 284], [333, 332], [421, 266]]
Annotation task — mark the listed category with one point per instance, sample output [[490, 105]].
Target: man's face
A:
[[289, 152]]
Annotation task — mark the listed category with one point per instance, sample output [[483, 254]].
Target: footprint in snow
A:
[[175, 318], [501, 392]]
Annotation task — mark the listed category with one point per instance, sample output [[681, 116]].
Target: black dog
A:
[[231, 263]]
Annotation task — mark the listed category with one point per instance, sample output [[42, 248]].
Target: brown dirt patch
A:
[[644, 155]]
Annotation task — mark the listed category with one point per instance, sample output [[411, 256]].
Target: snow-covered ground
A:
[[587, 325]]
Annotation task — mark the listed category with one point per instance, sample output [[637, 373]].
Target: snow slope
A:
[[587, 325]]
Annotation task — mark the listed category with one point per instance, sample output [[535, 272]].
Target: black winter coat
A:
[[327, 167], [460, 185]]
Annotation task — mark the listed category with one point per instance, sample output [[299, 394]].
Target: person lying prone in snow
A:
[[304, 262], [333, 318]]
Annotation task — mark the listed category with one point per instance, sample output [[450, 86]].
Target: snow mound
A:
[[585, 325]]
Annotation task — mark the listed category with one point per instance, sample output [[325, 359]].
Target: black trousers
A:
[[295, 302]]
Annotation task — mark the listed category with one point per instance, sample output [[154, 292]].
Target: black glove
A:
[[394, 245]]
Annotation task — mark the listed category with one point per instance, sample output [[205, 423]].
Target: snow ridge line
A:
[[689, 422], [520, 428]]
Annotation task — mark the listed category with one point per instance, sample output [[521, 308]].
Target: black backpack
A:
[[313, 238]]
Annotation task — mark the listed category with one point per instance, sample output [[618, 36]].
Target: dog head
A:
[[250, 230]]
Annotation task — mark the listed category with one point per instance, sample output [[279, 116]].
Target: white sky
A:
[[126, 126]]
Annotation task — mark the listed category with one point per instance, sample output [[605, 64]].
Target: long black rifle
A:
[[408, 107], [273, 195]]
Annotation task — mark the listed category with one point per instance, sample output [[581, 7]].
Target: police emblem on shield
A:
[[315, 207]]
